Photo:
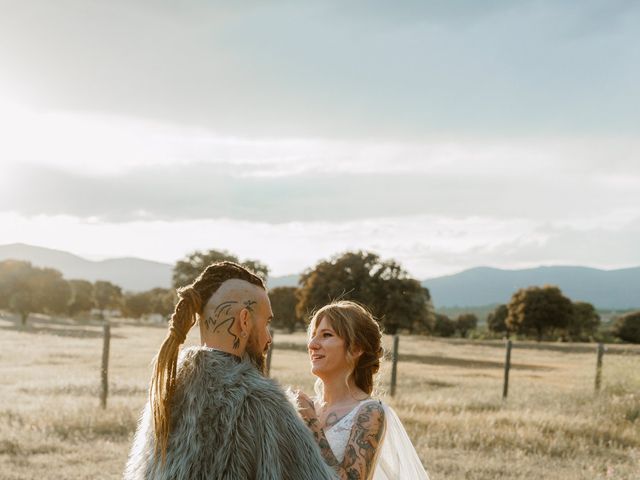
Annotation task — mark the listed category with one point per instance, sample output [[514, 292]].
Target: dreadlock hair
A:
[[192, 300]]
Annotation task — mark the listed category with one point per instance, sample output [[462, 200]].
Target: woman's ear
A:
[[356, 351]]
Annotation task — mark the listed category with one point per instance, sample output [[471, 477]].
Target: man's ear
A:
[[245, 322]]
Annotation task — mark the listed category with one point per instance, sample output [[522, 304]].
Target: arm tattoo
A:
[[331, 420], [318, 434], [323, 443], [361, 451]]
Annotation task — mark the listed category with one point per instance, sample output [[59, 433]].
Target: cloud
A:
[[303, 69], [426, 245], [224, 190], [122, 169]]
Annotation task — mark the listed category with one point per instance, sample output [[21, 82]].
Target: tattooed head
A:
[[194, 302], [236, 319]]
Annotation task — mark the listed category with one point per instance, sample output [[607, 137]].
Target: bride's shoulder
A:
[[370, 411]]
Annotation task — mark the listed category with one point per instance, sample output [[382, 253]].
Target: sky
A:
[[442, 134]]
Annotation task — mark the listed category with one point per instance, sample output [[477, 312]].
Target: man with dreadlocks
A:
[[212, 414]]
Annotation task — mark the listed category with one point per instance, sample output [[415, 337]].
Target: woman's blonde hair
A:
[[192, 300], [353, 323]]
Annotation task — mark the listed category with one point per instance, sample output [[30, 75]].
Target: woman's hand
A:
[[306, 407]]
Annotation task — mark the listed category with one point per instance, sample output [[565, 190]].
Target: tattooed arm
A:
[[308, 412], [361, 452], [362, 449]]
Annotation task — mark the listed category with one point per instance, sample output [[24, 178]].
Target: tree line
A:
[[25, 289], [398, 301]]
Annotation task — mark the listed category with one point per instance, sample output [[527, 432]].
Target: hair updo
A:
[[354, 324]]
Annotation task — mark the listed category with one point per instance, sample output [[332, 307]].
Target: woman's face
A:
[[327, 352]]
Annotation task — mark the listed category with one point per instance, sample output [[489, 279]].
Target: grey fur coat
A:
[[228, 422]]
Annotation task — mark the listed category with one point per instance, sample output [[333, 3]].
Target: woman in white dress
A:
[[359, 436]]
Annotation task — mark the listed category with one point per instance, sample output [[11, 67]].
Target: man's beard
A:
[[257, 356]]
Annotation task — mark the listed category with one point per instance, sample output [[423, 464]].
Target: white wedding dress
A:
[[397, 458]]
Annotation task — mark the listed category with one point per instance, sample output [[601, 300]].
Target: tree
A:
[[283, 303], [81, 297], [627, 327], [538, 310], [497, 320], [13, 274], [106, 295], [51, 291], [157, 300], [187, 270], [22, 302], [136, 304], [397, 300], [584, 322], [162, 301], [465, 323], [444, 326], [25, 289]]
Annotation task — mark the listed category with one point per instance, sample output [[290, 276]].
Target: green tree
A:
[[25, 289], [584, 321], [187, 270], [627, 327], [13, 274], [444, 326], [497, 320], [397, 300], [81, 297], [106, 295], [162, 301], [136, 304], [283, 303], [538, 310], [51, 291], [465, 323], [157, 300], [22, 303]]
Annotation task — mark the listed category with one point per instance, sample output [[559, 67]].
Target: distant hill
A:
[[132, 274], [606, 289], [481, 286]]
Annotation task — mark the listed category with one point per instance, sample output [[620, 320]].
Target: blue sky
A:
[[443, 134]]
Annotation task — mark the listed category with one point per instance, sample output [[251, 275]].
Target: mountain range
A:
[[606, 289]]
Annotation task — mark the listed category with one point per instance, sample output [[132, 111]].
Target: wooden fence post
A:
[[599, 366], [269, 353], [507, 367], [105, 365], [394, 366]]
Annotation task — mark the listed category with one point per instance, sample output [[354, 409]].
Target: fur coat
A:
[[228, 422]]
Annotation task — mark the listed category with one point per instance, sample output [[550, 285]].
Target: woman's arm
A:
[[308, 413], [362, 448]]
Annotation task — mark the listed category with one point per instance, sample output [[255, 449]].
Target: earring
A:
[[243, 334]]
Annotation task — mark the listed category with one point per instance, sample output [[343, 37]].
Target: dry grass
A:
[[449, 397]]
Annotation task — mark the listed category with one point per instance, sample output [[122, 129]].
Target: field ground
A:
[[552, 426]]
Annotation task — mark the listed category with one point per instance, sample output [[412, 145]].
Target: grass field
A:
[[449, 392]]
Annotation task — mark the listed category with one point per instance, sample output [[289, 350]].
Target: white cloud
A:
[[329, 69], [426, 245]]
